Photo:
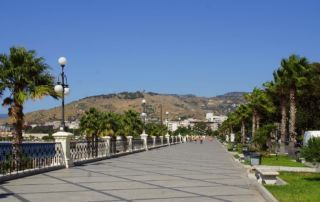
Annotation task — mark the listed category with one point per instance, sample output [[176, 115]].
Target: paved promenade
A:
[[186, 172]]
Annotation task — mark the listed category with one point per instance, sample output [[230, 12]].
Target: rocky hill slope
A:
[[177, 105]]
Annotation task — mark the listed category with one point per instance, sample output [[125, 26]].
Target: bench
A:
[[266, 176]]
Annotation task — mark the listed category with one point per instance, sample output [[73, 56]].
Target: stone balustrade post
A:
[[144, 139], [106, 140], [172, 139], [129, 139], [154, 141], [64, 138], [184, 139], [180, 139], [168, 139], [161, 139]]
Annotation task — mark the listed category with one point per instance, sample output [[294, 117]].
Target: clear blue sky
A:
[[168, 46]]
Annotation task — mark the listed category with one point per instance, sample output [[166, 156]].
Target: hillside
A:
[[177, 105]]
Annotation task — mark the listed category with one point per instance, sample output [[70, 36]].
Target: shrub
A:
[[311, 152], [48, 138], [262, 135], [239, 148], [230, 146], [222, 138]]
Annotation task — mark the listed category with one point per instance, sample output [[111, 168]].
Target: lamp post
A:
[[179, 126], [167, 116], [62, 88], [144, 114]]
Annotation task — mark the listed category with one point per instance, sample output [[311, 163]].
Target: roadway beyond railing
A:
[[65, 152]]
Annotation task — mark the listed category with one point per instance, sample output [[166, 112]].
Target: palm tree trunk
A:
[[96, 145], [92, 145], [292, 120], [243, 131], [254, 115], [293, 111], [283, 127], [258, 121], [17, 114]]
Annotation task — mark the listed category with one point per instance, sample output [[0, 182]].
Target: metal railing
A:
[[150, 142], [165, 141], [33, 156], [38, 156], [86, 150], [158, 141], [121, 146], [137, 144]]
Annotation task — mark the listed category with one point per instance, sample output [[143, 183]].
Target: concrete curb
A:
[[288, 169], [255, 184], [263, 191]]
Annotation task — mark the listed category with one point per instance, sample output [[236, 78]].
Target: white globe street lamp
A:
[[58, 88], [62, 88], [66, 91], [62, 61]]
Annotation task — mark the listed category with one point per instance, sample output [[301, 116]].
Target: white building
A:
[[54, 124], [216, 121], [73, 125], [173, 125], [34, 135]]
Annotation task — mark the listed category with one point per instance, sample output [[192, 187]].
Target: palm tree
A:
[[294, 69], [92, 125], [278, 90], [243, 112], [230, 123], [133, 123], [259, 103], [24, 76]]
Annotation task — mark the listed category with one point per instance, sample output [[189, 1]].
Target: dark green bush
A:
[[239, 148], [311, 152], [262, 135], [230, 146]]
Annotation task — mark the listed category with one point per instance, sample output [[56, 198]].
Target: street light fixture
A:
[[144, 114], [167, 115], [62, 88]]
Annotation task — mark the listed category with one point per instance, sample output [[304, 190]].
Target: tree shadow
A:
[[313, 179], [6, 195]]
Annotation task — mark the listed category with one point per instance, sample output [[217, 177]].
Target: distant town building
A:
[[35, 135], [6, 130], [211, 120], [73, 124], [173, 125], [54, 124], [215, 121]]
